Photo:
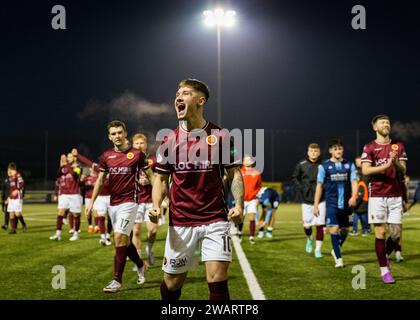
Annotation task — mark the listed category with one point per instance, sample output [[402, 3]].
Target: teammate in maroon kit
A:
[[139, 141], [70, 198], [197, 210], [384, 160], [101, 205], [123, 164], [15, 199]]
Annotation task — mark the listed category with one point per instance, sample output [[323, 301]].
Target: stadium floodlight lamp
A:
[[219, 17]]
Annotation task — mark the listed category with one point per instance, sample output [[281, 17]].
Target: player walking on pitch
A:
[[338, 177], [384, 160], [197, 208], [304, 177], [123, 164]]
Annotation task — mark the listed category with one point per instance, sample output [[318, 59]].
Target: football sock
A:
[[22, 221], [71, 221], [335, 240], [90, 220], [167, 294], [308, 232], [268, 217], [96, 220], [101, 223], [252, 228], [134, 256], [119, 262], [384, 270], [319, 233], [240, 227], [318, 245], [109, 226], [59, 224], [343, 237], [219, 290], [390, 246], [381, 251], [398, 246], [77, 222], [6, 218], [13, 223], [261, 229]]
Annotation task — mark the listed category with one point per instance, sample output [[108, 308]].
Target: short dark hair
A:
[[197, 85], [115, 124], [11, 166], [314, 146], [335, 142], [379, 117]]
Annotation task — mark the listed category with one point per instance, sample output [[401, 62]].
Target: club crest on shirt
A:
[[149, 162], [211, 140], [130, 155], [347, 166], [394, 147]]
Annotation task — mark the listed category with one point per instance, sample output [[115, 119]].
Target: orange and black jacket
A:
[[362, 196]]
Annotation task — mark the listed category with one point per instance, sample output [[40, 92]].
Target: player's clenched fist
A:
[[236, 214], [154, 214]]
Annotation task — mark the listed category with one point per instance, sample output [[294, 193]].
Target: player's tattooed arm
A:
[[401, 166], [238, 190], [237, 185]]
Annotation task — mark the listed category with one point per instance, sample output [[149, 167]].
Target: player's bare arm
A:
[[238, 190], [354, 192], [150, 176], [401, 166], [368, 169], [318, 193], [96, 190], [160, 184]]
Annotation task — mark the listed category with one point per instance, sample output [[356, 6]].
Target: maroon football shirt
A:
[[196, 190], [388, 183], [95, 166], [69, 180], [145, 192], [123, 168], [89, 185], [16, 183]]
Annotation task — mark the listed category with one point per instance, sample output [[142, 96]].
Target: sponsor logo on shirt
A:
[[339, 177], [195, 165], [112, 157], [379, 162], [120, 170], [377, 149]]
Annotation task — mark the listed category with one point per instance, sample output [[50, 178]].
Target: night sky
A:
[[294, 68]]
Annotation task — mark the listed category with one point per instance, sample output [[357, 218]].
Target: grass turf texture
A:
[[281, 265]]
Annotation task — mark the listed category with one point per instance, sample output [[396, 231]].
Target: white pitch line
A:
[[253, 285]]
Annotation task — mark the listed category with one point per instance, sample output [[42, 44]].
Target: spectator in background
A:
[[4, 194], [416, 197], [361, 208]]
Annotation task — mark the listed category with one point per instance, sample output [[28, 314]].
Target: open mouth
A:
[[181, 107]]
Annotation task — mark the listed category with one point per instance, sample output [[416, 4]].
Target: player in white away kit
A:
[[384, 160]]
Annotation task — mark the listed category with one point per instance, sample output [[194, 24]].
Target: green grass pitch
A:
[[281, 265]]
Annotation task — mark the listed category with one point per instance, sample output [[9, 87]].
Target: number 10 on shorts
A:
[[226, 244]]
